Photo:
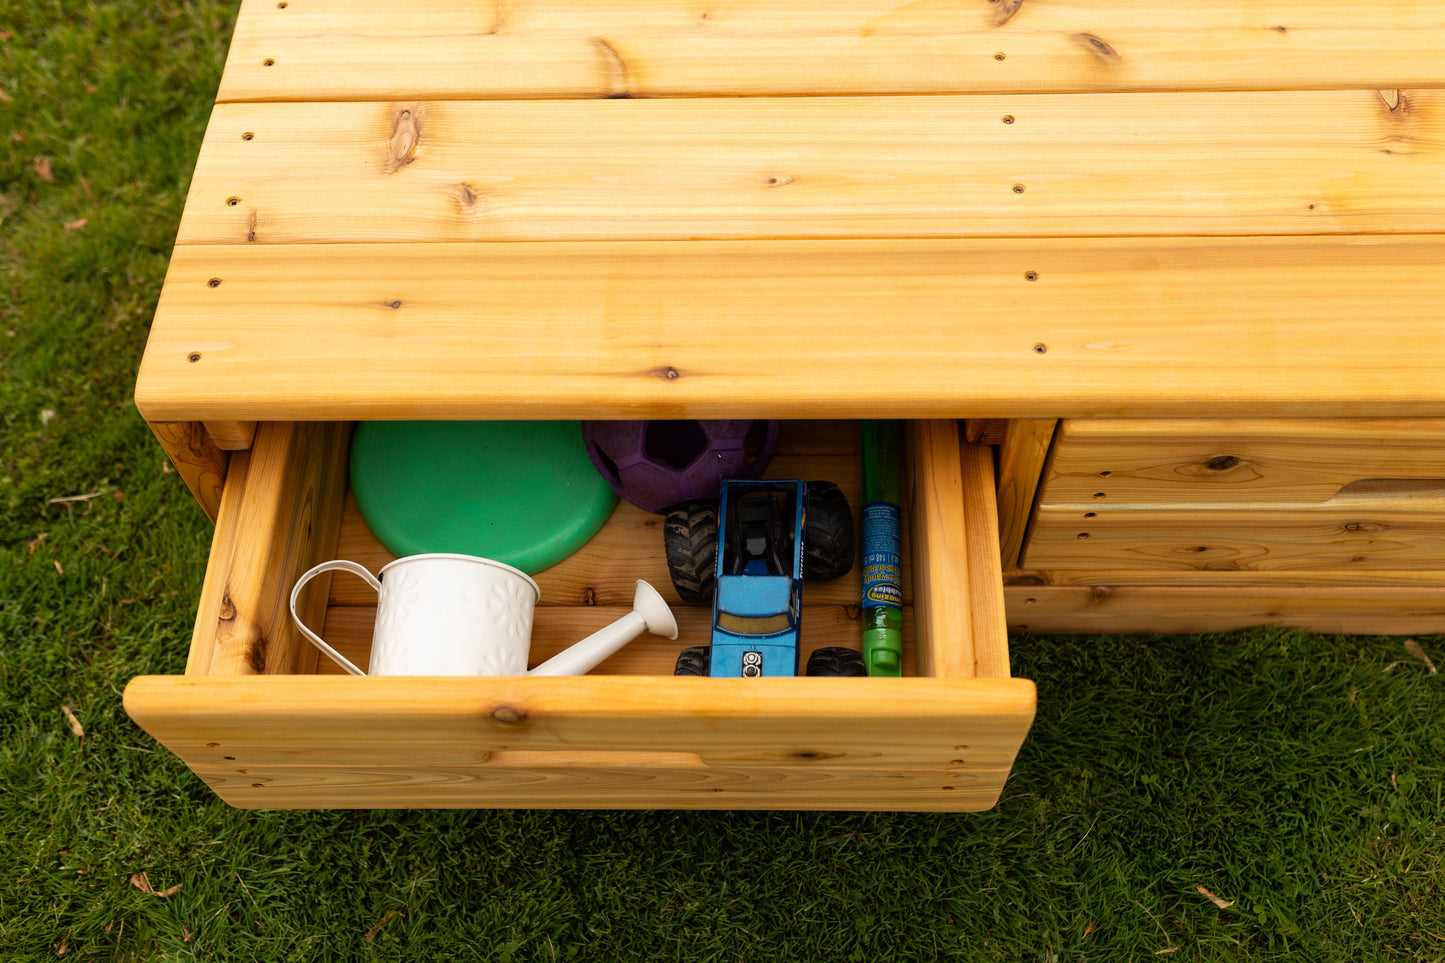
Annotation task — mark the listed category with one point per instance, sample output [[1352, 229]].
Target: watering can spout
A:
[[650, 613]]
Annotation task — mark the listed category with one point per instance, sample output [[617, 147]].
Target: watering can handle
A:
[[339, 565]]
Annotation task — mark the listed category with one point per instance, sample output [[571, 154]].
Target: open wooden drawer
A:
[[266, 726]]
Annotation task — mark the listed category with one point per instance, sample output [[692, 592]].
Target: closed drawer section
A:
[[1109, 463], [267, 725], [1242, 496]]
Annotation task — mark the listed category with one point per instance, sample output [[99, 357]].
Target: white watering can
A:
[[462, 615]]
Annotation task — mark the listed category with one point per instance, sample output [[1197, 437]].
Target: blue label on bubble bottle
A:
[[882, 556]]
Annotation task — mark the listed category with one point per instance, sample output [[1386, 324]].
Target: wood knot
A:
[[405, 136], [1221, 463], [667, 373], [508, 716], [465, 197], [814, 754], [778, 180], [1101, 592], [257, 655], [616, 78], [1004, 11], [1099, 47], [589, 597], [853, 612], [1395, 101], [228, 608]]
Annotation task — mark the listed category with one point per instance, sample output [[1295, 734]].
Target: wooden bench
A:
[[1157, 288]]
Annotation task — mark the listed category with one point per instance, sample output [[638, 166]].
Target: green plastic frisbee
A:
[[520, 492]]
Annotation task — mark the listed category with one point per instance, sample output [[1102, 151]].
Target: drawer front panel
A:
[[387, 721], [1212, 607], [592, 741], [1363, 537], [1207, 462]]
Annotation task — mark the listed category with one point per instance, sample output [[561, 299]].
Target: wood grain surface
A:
[[592, 741], [1382, 533], [1104, 608], [1021, 458], [1360, 579], [938, 525], [605, 781], [1213, 462], [317, 50], [985, 600], [1248, 327], [280, 515], [196, 457], [1217, 163], [890, 723]]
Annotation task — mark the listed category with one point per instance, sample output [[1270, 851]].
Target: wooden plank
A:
[[213, 601], [1214, 163], [1377, 534], [942, 561], [621, 784], [649, 48], [987, 431], [232, 435], [818, 437], [1358, 578], [1021, 459], [197, 459], [280, 516], [1355, 610], [349, 629], [398, 721], [985, 582], [1183, 327], [1198, 461]]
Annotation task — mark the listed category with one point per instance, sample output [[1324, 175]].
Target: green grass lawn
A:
[[1294, 779]]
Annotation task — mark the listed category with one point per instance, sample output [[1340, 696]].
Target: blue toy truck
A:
[[755, 540]]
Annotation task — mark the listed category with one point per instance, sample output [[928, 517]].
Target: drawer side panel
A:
[[280, 514]]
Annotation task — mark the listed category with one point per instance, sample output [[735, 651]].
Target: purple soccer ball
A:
[[656, 464]]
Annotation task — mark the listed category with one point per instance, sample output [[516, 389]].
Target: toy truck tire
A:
[[835, 660], [692, 661], [689, 538], [828, 533]]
